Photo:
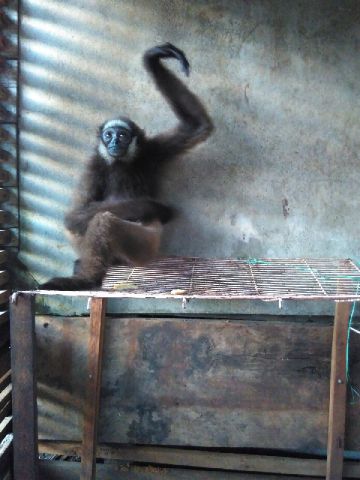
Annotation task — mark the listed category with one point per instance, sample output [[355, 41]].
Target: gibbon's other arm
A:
[[137, 210], [195, 125]]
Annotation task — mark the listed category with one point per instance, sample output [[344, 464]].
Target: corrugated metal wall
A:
[[9, 139], [279, 178]]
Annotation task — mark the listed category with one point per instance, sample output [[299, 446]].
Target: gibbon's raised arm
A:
[[195, 125], [116, 217]]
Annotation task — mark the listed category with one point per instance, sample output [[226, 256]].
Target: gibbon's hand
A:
[[168, 50]]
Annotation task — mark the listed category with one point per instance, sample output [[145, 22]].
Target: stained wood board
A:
[[193, 382], [71, 471], [205, 459]]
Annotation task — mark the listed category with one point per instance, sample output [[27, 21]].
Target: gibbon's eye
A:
[[125, 135], [107, 136]]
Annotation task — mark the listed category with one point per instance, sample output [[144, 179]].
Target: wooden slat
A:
[[24, 387], [337, 407], [203, 459], [92, 400], [70, 471]]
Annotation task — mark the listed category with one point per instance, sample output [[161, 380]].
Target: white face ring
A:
[[117, 123]]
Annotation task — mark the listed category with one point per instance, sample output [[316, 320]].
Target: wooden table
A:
[[266, 279]]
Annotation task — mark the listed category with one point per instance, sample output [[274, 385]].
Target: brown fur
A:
[[115, 217]]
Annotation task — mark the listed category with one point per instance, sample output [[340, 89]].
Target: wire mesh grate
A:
[[264, 279]]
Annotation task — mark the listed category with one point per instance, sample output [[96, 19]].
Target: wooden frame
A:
[[24, 389]]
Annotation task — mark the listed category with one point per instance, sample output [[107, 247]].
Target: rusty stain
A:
[[285, 207]]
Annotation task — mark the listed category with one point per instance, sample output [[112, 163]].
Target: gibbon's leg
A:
[[109, 240]]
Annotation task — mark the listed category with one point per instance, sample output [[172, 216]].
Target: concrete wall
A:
[[280, 176]]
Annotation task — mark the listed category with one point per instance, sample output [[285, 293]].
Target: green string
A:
[[355, 392], [354, 389], [304, 268]]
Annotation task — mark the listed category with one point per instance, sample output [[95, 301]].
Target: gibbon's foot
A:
[[168, 50], [70, 283]]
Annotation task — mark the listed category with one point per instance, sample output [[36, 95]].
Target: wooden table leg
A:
[[337, 407], [92, 395], [23, 365]]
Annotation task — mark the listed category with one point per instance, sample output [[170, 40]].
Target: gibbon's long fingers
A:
[[168, 50], [193, 117]]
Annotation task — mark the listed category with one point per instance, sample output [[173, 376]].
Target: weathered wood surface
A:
[[22, 330], [206, 459], [92, 389], [211, 383], [337, 408], [71, 471]]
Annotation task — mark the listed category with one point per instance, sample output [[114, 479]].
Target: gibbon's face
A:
[[118, 139]]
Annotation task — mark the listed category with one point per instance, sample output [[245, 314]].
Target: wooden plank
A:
[[92, 400], [337, 406], [71, 470], [203, 459], [24, 387], [195, 382]]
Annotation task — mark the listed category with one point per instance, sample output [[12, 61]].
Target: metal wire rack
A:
[[248, 279]]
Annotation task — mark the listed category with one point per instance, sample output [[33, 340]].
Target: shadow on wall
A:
[[282, 88]]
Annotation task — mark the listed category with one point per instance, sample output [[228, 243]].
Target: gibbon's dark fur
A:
[[115, 218]]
